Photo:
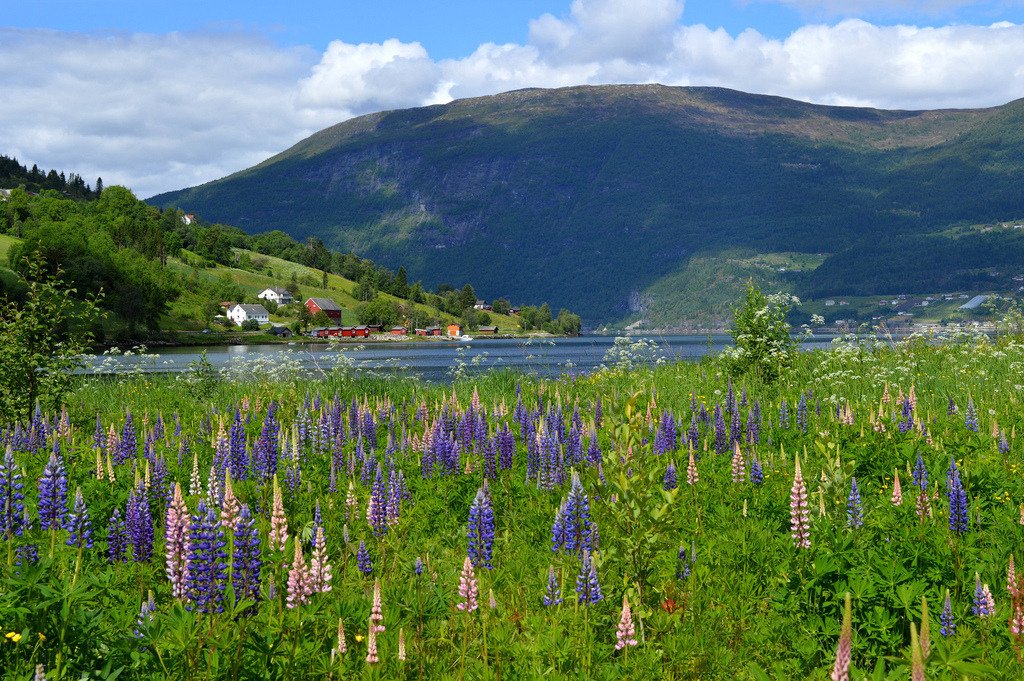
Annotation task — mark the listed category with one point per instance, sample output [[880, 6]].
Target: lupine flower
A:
[[229, 507], [117, 538], [467, 587], [984, 605], [799, 515], [1015, 587], [625, 635], [897, 490], [841, 669], [854, 507], [206, 576], [53, 494], [363, 559], [342, 646], [946, 618], [756, 471], [916, 658], [12, 498], [278, 521], [177, 543], [376, 511], [739, 466], [492, 603], [920, 473], [418, 566], [320, 566], [299, 584], [957, 504], [40, 674], [79, 524], [588, 589], [401, 644], [683, 565], [376, 610], [246, 562], [371, 645], [572, 530], [926, 633], [146, 615], [692, 476], [481, 530], [971, 417], [140, 524], [553, 594], [671, 480]]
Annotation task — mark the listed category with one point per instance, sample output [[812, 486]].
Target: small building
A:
[[347, 331], [454, 330], [974, 303], [361, 332], [281, 296], [281, 332], [325, 305], [375, 328], [492, 330], [400, 331], [514, 310], [188, 218], [429, 331], [241, 314]]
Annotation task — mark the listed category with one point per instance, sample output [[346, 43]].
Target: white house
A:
[[281, 296], [240, 314]]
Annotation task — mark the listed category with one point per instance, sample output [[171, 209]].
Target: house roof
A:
[[255, 310], [325, 304], [278, 291], [488, 328]]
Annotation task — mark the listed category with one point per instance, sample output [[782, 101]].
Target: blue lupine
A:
[[947, 619], [854, 508], [553, 593], [671, 480], [363, 559], [237, 446], [207, 562], [981, 606], [117, 538], [379, 505], [246, 560], [12, 497], [146, 615], [79, 523], [920, 473], [907, 424], [957, 504], [951, 407], [574, 524], [127, 445], [971, 418], [1004, 444], [756, 471], [801, 413], [588, 589], [683, 565], [140, 524], [418, 566], [481, 530], [784, 415], [53, 494], [721, 439]]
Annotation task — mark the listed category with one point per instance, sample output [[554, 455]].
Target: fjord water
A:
[[433, 360]]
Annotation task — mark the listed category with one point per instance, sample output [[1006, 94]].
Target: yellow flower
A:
[[359, 638], [41, 637], [15, 637]]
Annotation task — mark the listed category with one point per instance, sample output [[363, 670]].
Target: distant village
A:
[[256, 316]]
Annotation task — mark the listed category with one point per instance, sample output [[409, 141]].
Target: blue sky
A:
[[161, 95]]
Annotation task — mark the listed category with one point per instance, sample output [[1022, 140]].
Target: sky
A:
[[163, 95]]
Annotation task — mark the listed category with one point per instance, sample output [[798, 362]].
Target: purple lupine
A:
[[920, 473], [671, 479], [79, 524], [176, 543], [237, 446], [756, 471], [207, 567], [971, 417], [946, 618], [12, 497], [907, 424], [127, 445], [246, 562], [418, 566], [588, 589], [140, 524], [53, 494], [572, 529], [784, 415], [957, 503], [117, 538], [721, 439], [363, 559], [480, 532], [1004, 444], [854, 507], [506, 447], [377, 515], [801, 414], [951, 407], [146, 615], [982, 606], [553, 593], [683, 566]]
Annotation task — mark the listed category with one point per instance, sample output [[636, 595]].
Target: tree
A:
[[365, 291], [400, 286], [320, 319], [501, 306], [570, 324], [42, 342], [467, 297], [305, 317], [760, 330], [380, 310]]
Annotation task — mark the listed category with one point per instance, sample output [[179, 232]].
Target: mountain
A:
[[603, 199]]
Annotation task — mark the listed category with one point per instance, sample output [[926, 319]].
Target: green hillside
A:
[[595, 198]]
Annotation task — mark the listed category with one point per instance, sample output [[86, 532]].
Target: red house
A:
[[347, 332], [325, 305], [361, 332], [399, 331]]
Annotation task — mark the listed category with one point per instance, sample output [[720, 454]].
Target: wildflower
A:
[[278, 521], [79, 524], [588, 589], [841, 669], [926, 637], [467, 587], [692, 476], [625, 634], [946, 618], [957, 504], [206, 575], [418, 566], [299, 584], [117, 538], [683, 566], [320, 566], [800, 519], [984, 605], [920, 473], [917, 660], [371, 646], [572, 528], [670, 482], [246, 562], [401, 644], [363, 559], [342, 647], [971, 417], [756, 471], [553, 594], [53, 494], [376, 510], [492, 603], [376, 611], [12, 506], [481, 530], [854, 507], [146, 615], [739, 466], [229, 507], [140, 524], [176, 543], [897, 490]]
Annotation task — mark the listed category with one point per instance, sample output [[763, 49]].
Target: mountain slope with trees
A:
[[590, 196]]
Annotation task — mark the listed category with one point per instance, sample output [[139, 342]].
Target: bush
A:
[[250, 325], [764, 346]]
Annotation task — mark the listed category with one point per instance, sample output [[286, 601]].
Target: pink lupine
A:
[[799, 515], [467, 587], [916, 657], [401, 645], [342, 645], [230, 507], [692, 476], [371, 645], [739, 465], [319, 565], [897, 490], [299, 585], [841, 669], [626, 634], [278, 521], [176, 542], [376, 612]]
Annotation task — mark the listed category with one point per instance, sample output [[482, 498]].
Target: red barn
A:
[[325, 305], [399, 331], [361, 332]]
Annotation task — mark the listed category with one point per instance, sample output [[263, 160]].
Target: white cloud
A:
[[888, 7], [158, 112]]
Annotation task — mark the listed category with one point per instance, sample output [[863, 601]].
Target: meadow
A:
[[359, 526]]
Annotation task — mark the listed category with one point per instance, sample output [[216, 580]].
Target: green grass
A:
[[6, 242]]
